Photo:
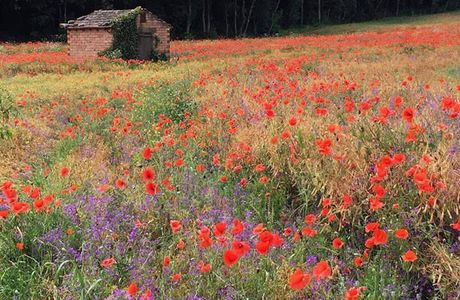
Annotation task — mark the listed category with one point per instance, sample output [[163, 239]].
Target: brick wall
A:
[[88, 42], [160, 29]]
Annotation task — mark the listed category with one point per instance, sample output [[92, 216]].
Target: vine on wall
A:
[[125, 36]]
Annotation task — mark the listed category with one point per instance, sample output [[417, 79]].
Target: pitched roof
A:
[[101, 19], [98, 18]]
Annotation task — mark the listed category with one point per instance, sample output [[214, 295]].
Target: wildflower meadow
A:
[[321, 166]]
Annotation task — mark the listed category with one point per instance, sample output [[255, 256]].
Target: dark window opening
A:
[[143, 17]]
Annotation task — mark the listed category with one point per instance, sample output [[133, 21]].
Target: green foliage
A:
[[112, 53], [7, 110], [125, 37], [155, 55], [7, 106], [28, 274], [170, 99], [158, 56]]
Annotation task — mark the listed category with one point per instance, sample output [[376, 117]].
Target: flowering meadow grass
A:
[[299, 167]]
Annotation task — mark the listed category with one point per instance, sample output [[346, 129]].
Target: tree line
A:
[[39, 19]]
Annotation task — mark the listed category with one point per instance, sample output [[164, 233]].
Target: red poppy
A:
[[7, 185], [346, 201], [369, 243], [298, 280], [64, 171], [107, 262], [292, 121], [103, 188], [402, 234], [409, 256], [321, 111], [326, 202], [337, 243], [35, 193], [236, 169], [352, 294], [200, 168], [372, 226], [266, 236], [148, 174], [408, 115], [322, 270], [258, 229], [263, 247], [324, 146], [296, 237], [358, 261], [380, 237], [206, 268], [399, 158], [147, 295], [176, 277], [375, 203], [238, 227], [270, 113], [219, 228], [285, 134], [39, 205], [456, 226], [4, 214], [10, 194], [379, 190], [205, 241], [120, 183], [166, 181], [147, 153], [152, 189], [175, 225], [287, 231], [20, 207], [263, 179], [274, 140], [260, 168], [166, 261], [132, 289], [241, 248], [230, 257], [310, 219], [307, 231], [216, 159], [48, 199], [180, 245]]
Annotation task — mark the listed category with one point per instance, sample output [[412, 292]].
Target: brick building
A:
[[91, 34]]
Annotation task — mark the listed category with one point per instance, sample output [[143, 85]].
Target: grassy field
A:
[[319, 165], [377, 25]]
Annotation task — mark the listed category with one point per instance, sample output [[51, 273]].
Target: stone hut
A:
[[88, 35]]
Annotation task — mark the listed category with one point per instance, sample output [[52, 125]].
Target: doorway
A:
[[145, 45]]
